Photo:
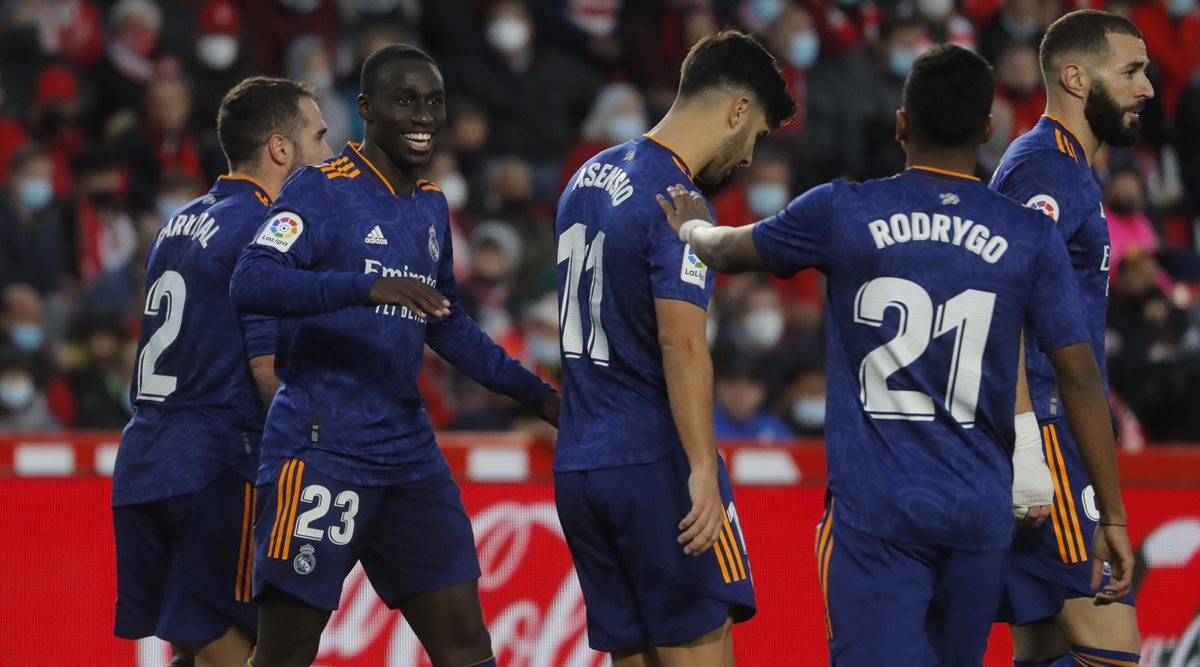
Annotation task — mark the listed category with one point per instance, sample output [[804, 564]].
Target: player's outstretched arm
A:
[[687, 366], [1033, 489], [725, 249], [1082, 391]]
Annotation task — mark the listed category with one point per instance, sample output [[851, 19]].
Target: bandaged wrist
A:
[[1028, 435], [685, 230]]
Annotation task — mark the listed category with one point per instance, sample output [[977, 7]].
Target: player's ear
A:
[[364, 108], [280, 149], [987, 131], [901, 128], [739, 112], [1075, 79]]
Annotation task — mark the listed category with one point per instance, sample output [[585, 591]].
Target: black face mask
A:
[[55, 120], [1122, 206], [104, 199]]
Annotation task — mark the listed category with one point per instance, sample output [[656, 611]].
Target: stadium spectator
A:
[[23, 406], [487, 295], [618, 115], [100, 380], [133, 57], [54, 121], [277, 23], [1018, 21], [944, 24], [1128, 227], [739, 393], [309, 60], [218, 63], [801, 404], [1019, 87], [33, 243], [104, 236], [794, 40], [1172, 32]]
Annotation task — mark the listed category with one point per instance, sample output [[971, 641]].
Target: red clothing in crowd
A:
[[1173, 46]]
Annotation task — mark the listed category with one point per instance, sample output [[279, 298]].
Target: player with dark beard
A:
[[1094, 65]]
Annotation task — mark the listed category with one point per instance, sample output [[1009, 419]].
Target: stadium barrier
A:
[[57, 599]]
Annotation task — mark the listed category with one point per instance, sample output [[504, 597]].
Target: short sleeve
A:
[[675, 271], [1054, 312], [258, 334], [797, 237]]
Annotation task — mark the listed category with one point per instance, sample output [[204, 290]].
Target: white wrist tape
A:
[[685, 230], [1032, 484]]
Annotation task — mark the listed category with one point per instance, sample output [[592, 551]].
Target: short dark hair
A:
[[948, 96], [255, 109], [26, 154], [1083, 31], [385, 56], [733, 59]]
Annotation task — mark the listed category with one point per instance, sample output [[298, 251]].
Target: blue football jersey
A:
[[616, 255], [1046, 169], [349, 404], [196, 410], [929, 278]]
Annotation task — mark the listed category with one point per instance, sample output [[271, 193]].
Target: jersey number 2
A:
[[581, 256], [968, 314], [169, 292]]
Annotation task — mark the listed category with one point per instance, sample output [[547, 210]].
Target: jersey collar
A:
[[944, 172], [1068, 141], [679, 161], [231, 183]]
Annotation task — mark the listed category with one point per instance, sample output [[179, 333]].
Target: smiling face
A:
[[405, 110], [1118, 91]]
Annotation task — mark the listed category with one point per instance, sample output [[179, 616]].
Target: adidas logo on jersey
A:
[[376, 237]]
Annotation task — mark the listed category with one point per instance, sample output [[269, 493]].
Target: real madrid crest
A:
[[305, 561], [434, 251]]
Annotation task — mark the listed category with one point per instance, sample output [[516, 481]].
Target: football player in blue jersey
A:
[[645, 501], [930, 277], [356, 256], [1094, 66], [183, 494]]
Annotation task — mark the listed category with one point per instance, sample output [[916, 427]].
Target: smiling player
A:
[[356, 253]]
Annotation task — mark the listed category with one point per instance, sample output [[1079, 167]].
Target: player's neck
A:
[[270, 180], [1073, 118], [954, 160], [688, 136], [403, 180]]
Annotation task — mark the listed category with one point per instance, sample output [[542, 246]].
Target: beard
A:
[[729, 157], [1107, 118]]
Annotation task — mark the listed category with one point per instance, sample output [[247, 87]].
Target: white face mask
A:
[[935, 10], [454, 186], [763, 327], [809, 412], [625, 127], [508, 34], [16, 394], [217, 51], [320, 79]]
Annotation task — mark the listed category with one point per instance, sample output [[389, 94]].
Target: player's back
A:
[[196, 408], [929, 278], [616, 255]]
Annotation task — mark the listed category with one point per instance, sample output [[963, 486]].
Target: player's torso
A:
[[1073, 201], [615, 409], [927, 287], [350, 376], [195, 403]]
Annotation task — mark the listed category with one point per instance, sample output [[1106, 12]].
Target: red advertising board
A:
[[57, 581]]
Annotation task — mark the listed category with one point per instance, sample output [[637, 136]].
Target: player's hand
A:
[[1032, 486], [1110, 545], [1031, 516], [682, 206], [421, 299], [702, 525], [550, 407]]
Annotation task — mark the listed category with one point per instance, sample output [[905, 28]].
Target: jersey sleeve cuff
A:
[[361, 286]]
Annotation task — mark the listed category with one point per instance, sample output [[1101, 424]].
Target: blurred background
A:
[[107, 114]]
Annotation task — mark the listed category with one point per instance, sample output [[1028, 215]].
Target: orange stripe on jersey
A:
[[945, 172], [1073, 516], [679, 162], [1065, 127], [287, 540], [250, 545], [1059, 138], [246, 526], [426, 185], [281, 498], [825, 588], [1058, 509], [721, 561], [729, 557], [1103, 661], [263, 199], [824, 547], [373, 168], [243, 177], [1085, 660], [737, 551]]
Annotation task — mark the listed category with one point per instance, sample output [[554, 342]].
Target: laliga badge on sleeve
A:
[[693, 270], [1046, 204], [281, 231]]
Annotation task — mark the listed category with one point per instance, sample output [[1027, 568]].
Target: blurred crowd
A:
[[107, 115]]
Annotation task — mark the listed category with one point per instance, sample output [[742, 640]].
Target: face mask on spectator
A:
[[168, 205], [766, 199], [16, 394], [900, 60], [35, 193], [763, 327], [508, 34], [543, 348], [1122, 206], [935, 10], [26, 336], [1180, 7], [454, 187], [625, 126], [803, 49], [809, 412], [217, 52], [320, 79], [765, 11]]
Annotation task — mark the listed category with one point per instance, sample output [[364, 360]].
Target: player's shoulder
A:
[[431, 192], [313, 186]]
